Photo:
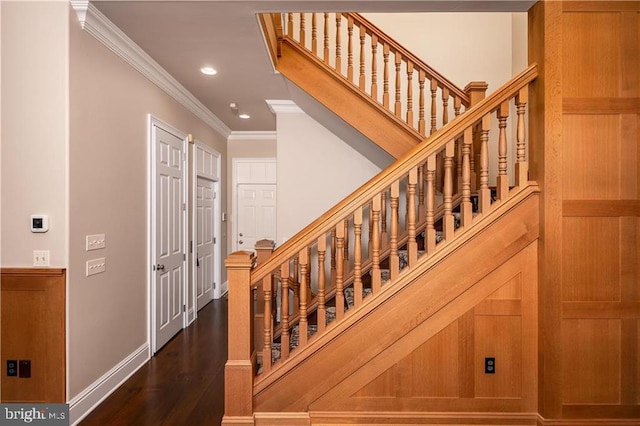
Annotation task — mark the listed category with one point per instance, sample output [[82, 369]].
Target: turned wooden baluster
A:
[[322, 310], [412, 245], [421, 121], [484, 193], [357, 256], [303, 325], [457, 103], [326, 38], [303, 35], [268, 325], [466, 209], [448, 220], [374, 67], [375, 243], [434, 88], [384, 237], [398, 105], [522, 167], [290, 24], [445, 106], [458, 165], [350, 49], [385, 86], [361, 81], [263, 249], [472, 159], [394, 261], [296, 284], [339, 272], [314, 34], [309, 272], [421, 209], [502, 184], [410, 93], [338, 46], [345, 250], [333, 255], [284, 311], [430, 231]]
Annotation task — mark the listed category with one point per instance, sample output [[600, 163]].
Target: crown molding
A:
[[105, 31], [283, 106], [252, 135]]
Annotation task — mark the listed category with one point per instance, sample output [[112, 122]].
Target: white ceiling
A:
[[182, 36]]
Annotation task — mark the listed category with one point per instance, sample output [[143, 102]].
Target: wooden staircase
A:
[[422, 287], [365, 77]]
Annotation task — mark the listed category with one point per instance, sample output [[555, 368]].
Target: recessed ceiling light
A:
[[208, 71], [244, 116]]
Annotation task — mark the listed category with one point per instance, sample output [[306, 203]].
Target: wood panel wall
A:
[[446, 373], [32, 321], [586, 156]]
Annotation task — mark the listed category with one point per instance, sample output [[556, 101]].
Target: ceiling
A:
[[183, 36]]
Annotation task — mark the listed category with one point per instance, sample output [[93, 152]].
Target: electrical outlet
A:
[[95, 242], [41, 258], [96, 266], [490, 366], [12, 368]]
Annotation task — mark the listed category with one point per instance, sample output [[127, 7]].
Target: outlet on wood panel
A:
[[24, 368], [489, 365], [12, 368]]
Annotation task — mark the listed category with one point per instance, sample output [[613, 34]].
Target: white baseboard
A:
[[83, 403]]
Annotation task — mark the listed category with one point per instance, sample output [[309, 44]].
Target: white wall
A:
[[316, 170], [35, 82]]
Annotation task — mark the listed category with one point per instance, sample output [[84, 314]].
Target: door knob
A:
[[241, 234], [160, 267], [240, 242]]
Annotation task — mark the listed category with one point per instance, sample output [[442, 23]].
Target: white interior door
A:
[[169, 251], [256, 214], [205, 199]]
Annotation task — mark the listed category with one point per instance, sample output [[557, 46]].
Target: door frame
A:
[[212, 174], [151, 215], [236, 180]]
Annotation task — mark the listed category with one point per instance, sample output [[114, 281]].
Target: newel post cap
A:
[[265, 245], [240, 260]]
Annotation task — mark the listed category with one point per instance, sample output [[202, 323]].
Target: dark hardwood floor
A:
[[182, 385]]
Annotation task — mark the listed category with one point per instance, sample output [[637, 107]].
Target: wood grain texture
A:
[[33, 328], [408, 324]]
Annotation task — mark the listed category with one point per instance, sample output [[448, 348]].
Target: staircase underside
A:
[[338, 95], [377, 359]]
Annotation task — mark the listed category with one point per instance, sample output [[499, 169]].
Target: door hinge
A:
[[214, 240], [184, 206], [184, 257], [191, 246], [184, 308], [214, 285]]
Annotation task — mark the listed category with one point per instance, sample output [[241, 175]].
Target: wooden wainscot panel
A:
[[33, 328], [446, 372]]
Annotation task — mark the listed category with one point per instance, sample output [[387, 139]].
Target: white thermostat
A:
[[39, 223]]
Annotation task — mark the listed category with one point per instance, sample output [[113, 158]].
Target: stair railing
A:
[[377, 65], [407, 184]]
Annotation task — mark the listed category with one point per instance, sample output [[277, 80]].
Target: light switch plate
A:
[[96, 266], [41, 258], [96, 241]]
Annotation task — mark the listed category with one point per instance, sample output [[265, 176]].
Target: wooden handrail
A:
[[395, 46], [412, 159]]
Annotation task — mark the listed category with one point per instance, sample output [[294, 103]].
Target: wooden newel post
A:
[[241, 362]]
